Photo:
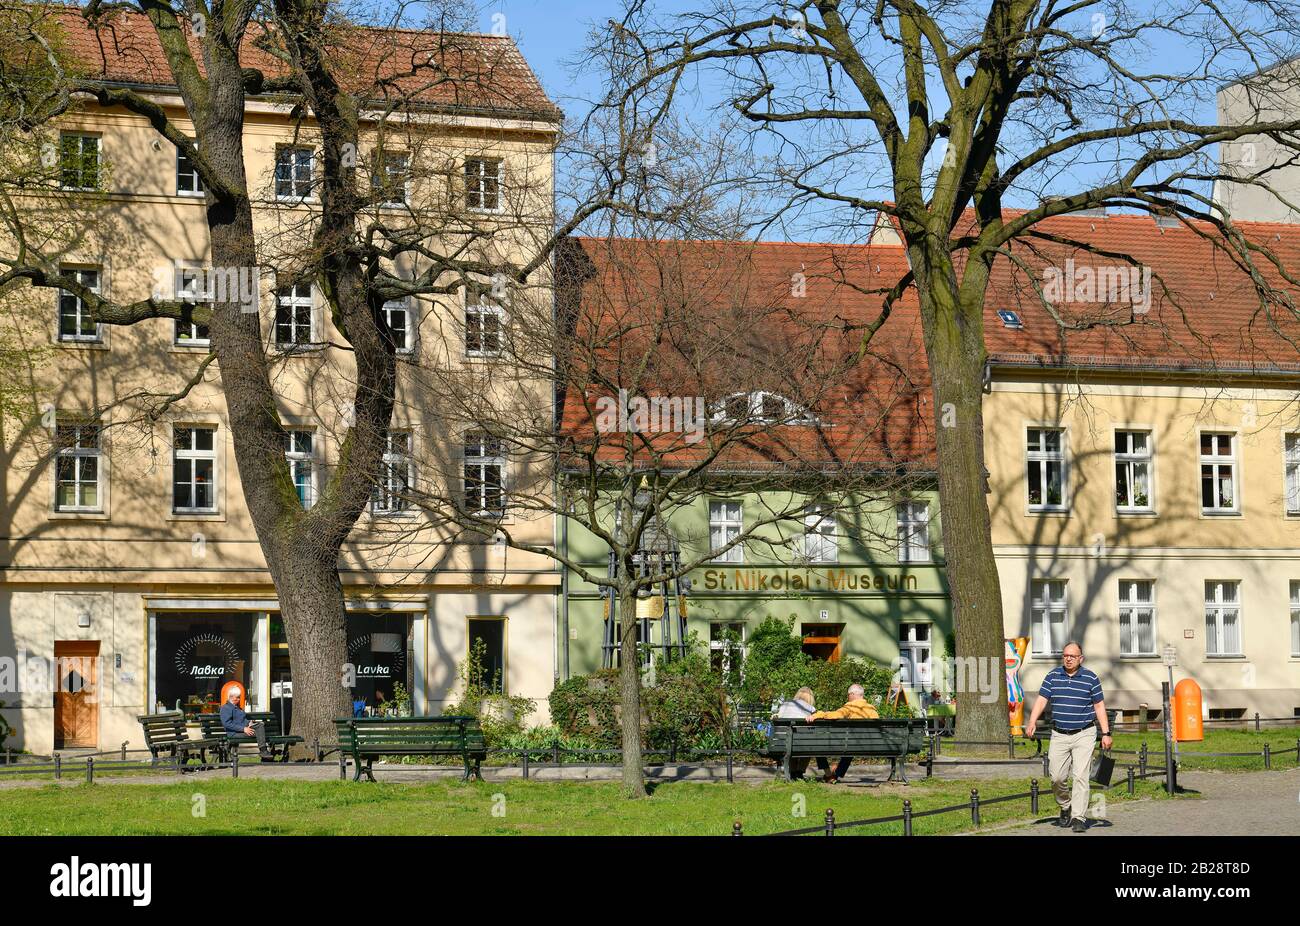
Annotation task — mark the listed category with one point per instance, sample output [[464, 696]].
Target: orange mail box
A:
[[1187, 712]]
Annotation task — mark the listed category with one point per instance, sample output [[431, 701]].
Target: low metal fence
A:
[[830, 825]]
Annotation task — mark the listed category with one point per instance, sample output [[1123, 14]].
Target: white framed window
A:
[[820, 535], [483, 184], [1045, 469], [726, 523], [190, 283], [1295, 618], [75, 321], [293, 315], [760, 407], [727, 648], [78, 467], [1133, 467], [485, 471], [187, 175], [1222, 618], [79, 161], [915, 666], [913, 522], [293, 172], [397, 315], [1291, 464], [194, 469], [389, 177], [396, 475], [484, 323], [1218, 473], [300, 453], [1137, 617], [1048, 616]]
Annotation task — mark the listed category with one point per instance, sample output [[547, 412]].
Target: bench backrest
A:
[[211, 723], [164, 729], [886, 735], [441, 733]]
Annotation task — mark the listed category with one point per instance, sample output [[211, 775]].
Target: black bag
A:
[[1103, 766]]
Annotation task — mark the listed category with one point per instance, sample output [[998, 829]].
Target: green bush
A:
[[500, 715], [587, 706]]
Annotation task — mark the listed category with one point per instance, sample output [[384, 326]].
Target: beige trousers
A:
[[1070, 754]]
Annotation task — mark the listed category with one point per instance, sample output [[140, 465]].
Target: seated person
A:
[[235, 722], [856, 708], [800, 707]]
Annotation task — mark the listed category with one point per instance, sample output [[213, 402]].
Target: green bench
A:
[[167, 735], [366, 738], [229, 743], [892, 738]]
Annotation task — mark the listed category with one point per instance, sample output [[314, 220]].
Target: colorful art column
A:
[[1015, 657]]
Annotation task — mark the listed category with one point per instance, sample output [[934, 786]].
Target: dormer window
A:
[[760, 408]]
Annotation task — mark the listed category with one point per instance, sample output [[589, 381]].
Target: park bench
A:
[[887, 738], [365, 738], [166, 735], [229, 743], [748, 718]]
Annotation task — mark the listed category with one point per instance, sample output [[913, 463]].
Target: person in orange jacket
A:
[[856, 708]]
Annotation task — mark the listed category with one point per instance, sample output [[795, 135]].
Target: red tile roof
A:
[[721, 318], [1205, 311], [460, 71]]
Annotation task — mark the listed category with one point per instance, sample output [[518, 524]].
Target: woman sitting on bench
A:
[[800, 707]]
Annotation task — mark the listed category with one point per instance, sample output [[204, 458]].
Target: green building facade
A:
[[856, 590]]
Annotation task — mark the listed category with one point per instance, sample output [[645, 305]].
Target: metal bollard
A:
[[58, 765], [1047, 770], [90, 770], [1033, 797], [730, 777], [1142, 759], [830, 822], [1268, 757], [1297, 751], [1130, 780], [1256, 721], [737, 829], [907, 817], [343, 766], [555, 751], [1011, 746], [315, 746], [525, 765], [974, 806], [124, 752], [234, 765]]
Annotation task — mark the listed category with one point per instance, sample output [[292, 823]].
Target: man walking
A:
[[1078, 711]]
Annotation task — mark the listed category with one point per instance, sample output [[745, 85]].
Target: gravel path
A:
[[1228, 804]]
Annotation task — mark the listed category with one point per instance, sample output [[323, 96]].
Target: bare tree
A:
[[678, 370], [943, 116]]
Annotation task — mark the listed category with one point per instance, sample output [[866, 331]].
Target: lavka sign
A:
[[103, 879]]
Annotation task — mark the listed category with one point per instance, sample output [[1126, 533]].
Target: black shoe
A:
[[1063, 819], [1080, 826]]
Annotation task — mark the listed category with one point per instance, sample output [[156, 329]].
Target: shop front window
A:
[[377, 653], [196, 655]]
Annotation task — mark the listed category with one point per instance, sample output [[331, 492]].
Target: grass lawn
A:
[[278, 807], [1218, 740]]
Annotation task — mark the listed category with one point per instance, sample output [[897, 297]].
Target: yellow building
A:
[[1145, 469], [125, 537]]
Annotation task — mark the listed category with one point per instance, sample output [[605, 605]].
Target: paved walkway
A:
[[1228, 804]]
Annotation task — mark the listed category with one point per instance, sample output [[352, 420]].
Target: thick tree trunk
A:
[[630, 696], [315, 625], [956, 354]]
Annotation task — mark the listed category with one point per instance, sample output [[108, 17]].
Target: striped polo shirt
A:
[[1072, 697]]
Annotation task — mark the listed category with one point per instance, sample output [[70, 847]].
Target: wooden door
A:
[[76, 701]]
